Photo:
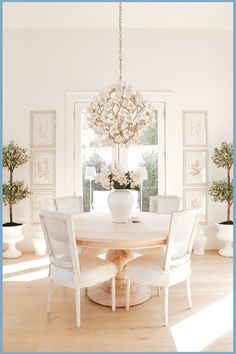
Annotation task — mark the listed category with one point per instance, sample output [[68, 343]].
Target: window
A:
[[147, 150], [94, 153]]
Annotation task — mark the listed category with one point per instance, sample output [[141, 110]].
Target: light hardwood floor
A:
[[27, 327]]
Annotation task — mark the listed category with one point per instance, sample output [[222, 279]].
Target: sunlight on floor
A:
[[203, 328], [27, 266], [29, 276], [17, 267]]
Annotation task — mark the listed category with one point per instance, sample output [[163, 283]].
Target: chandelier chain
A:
[[119, 113], [120, 40]]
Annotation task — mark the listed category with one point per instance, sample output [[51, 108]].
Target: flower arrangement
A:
[[118, 114], [119, 179]]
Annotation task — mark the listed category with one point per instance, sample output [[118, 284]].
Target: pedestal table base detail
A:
[[101, 294]]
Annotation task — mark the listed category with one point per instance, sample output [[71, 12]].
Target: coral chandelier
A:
[[119, 113]]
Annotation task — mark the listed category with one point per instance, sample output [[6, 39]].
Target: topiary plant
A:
[[222, 191], [13, 191]]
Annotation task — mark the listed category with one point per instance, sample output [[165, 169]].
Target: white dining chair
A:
[[67, 268], [164, 204], [69, 204], [74, 205], [160, 204], [173, 266]]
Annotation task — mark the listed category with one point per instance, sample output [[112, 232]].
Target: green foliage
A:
[[222, 191], [129, 184], [94, 160], [13, 156], [148, 137], [14, 191], [150, 186], [224, 155]]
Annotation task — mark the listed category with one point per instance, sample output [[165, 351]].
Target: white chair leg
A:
[[77, 306], [166, 301], [127, 295], [189, 293], [50, 291], [113, 294]]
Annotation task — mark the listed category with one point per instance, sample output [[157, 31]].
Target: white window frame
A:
[[72, 170]]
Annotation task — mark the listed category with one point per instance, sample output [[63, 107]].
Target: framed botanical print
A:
[[195, 128], [194, 199], [41, 199], [43, 129], [195, 168], [43, 168]]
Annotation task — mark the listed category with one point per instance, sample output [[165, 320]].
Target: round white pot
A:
[[225, 233], [12, 235], [120, 203], [39, 242], [200, 241]]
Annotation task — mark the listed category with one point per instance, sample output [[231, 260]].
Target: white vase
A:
[[39, 242], [225, 233], [12, 235], [120, 203], [200, 241]]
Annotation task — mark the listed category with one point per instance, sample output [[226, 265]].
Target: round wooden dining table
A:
[[96, 230]]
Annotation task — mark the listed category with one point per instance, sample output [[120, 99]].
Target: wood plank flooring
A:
[[206, 327]]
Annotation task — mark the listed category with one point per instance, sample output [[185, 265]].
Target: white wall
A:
[[41, 65]]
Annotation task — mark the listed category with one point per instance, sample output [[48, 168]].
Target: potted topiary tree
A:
[[12, 193], [222, 192]]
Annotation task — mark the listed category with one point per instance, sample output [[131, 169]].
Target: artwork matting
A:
[[41, 199], [196, 198], [43, 129], [195, 168], [195, 129], [43, 168]]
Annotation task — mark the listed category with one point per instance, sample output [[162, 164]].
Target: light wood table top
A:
[[96, 230]]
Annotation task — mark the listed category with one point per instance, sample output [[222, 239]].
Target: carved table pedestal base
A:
[[101, 294]]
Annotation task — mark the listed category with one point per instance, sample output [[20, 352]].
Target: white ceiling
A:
[[197, 15]]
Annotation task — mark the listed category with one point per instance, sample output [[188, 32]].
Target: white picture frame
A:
[[195, 129], [196, 198], [41, 199], [43, 129], [195, 168], [43, 168]]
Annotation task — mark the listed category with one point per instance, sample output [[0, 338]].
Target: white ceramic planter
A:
[[39, 242], [120, 203], [12, 235], [200, 241], [225, 233]]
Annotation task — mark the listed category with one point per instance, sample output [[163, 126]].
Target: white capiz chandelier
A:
[[119, 113]]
